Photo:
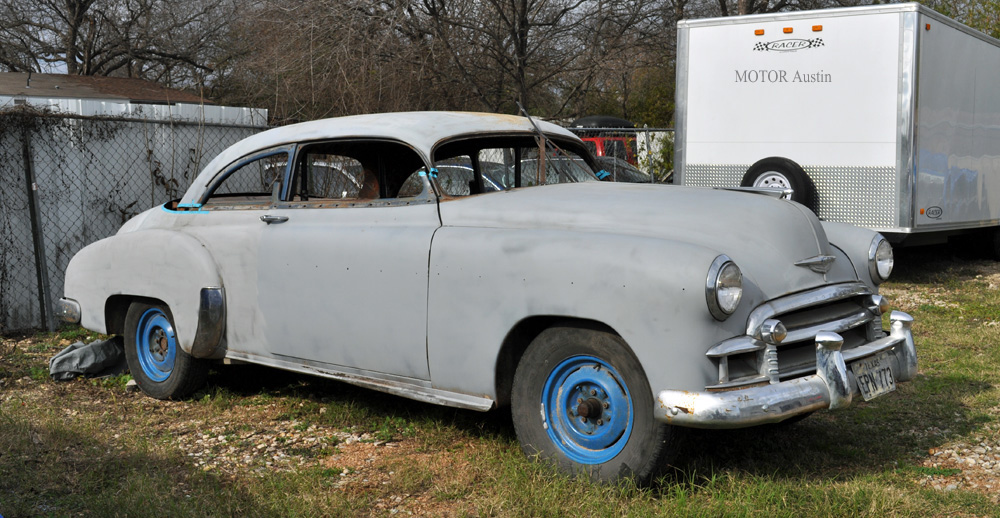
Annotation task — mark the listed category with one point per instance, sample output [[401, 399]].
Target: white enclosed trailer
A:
[[886, 117]]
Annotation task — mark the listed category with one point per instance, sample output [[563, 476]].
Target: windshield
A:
[[486, 164]]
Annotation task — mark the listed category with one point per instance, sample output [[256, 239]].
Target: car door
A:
[[227, 222], [342, 277]]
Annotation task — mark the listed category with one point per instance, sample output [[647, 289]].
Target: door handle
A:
[[267, 218]]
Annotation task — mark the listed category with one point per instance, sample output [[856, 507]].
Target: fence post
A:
[[41, 268]]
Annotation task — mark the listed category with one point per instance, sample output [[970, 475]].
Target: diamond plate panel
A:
[[862, 196]]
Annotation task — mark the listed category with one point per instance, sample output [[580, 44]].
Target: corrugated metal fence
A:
[[67, 181]]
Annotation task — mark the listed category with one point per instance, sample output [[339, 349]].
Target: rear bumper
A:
[[832, 386]]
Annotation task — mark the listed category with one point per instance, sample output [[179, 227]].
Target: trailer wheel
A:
[[780, 173]]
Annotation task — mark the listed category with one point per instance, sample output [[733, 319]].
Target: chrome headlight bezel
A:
[[880, 259], [723, 287]]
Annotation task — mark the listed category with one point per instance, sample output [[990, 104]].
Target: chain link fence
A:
[[67, 181]]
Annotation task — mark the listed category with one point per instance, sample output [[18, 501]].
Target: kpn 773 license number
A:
[[874, 376]]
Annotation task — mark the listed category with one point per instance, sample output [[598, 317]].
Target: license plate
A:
[[874, 376]]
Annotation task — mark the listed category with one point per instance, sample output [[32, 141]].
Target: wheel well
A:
[[116, 308], [518, 340]]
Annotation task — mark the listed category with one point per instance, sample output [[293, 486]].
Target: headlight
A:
[[723, 287], [880, 259]]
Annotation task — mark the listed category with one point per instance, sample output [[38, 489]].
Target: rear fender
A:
[[156, 264]]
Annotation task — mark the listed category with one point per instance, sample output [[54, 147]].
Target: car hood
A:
[[763, 235]]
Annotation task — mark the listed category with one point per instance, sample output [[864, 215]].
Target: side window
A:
[[357, 171], [336, 177], [560, 167], [254, 182], [488, 164], [456, 176]]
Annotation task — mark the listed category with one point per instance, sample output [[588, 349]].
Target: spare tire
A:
[[780, 173]]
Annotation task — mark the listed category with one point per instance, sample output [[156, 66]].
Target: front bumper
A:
[[833, 385]]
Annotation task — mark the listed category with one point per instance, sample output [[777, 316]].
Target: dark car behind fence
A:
[[69, 180], [648, 149]]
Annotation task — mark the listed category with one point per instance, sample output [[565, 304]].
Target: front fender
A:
[[855, 242], [156, 264], [651, 291]]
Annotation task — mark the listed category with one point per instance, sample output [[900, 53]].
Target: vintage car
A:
[[609, 317]]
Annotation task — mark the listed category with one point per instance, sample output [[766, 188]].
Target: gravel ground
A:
[[973, 465]]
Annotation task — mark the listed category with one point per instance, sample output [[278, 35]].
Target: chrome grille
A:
[[843, 309]]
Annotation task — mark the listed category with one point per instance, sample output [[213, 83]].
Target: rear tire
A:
[[157, 363], [780, 173], [581, 401]]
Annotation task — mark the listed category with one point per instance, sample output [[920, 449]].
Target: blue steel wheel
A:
[[157, 362], [156, 344], [581, 401], [588, 410]]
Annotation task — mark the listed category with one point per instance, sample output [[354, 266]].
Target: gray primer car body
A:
[[436, 298]]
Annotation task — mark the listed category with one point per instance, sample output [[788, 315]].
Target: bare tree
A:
[[319, 58], [536, 52], [175, 42]]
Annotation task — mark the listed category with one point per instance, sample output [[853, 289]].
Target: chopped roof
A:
[[92, 87]]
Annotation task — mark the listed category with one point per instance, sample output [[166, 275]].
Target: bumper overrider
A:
[[832, 386]]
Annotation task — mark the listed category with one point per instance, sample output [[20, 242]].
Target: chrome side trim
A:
[[211, 324], [833, 386], [68, 310], [398, 387], [798, 301]]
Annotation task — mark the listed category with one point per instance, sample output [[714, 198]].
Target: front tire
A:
[[581, 401], [157, 363]]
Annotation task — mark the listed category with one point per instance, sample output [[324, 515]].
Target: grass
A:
[[259, 442]]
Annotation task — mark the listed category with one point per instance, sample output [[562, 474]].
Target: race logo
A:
[[787, 45]]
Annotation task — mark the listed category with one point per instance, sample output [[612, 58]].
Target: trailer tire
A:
[[781, 173]]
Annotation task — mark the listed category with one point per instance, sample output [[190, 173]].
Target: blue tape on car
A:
[[434, 172], [602, 174]]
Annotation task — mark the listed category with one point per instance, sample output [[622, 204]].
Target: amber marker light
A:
[[787, 30], [759, 32], [817, 28], [927, 27], [921, 212]]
